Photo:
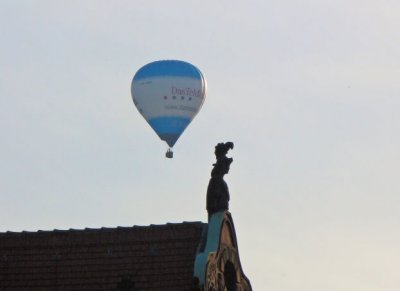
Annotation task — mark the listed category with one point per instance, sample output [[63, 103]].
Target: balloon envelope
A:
[[168, 94]]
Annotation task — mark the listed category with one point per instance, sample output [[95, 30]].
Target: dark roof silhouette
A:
[[155, 257]]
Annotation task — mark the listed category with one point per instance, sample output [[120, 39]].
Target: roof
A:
[[155, 257]]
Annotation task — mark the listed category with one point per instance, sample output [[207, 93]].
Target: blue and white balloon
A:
[[168, 94]]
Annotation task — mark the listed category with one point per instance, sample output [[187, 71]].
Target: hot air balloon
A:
[[168, 94]]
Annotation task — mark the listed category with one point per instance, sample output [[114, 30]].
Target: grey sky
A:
[[309, 91]]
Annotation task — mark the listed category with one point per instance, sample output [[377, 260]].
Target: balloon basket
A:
[[169, 154]]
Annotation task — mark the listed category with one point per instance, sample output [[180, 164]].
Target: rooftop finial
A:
[[217, 192]]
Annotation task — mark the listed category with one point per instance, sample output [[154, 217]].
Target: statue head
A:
[[222, 149], [222, 166]]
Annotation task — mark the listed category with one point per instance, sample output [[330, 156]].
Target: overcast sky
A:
[[309, 92]]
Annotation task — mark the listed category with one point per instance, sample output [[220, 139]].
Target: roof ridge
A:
[[90, 229]]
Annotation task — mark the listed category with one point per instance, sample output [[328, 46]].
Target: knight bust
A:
[[217, 191]]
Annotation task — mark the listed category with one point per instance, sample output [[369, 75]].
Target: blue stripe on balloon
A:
[[169, 128], [168, 68], [169, 124]]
